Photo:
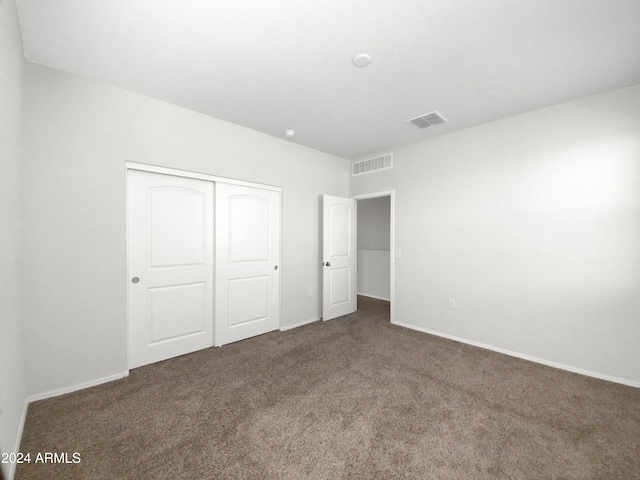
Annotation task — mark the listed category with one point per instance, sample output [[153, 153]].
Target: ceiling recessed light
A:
[[362, 60], [289, 133]]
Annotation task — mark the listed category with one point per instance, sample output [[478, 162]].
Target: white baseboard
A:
[[299, 324], [54, 393], [569, 368], [75, 388], [373, 296], [11, 469]]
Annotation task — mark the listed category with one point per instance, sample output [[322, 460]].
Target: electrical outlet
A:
[[452, 304]]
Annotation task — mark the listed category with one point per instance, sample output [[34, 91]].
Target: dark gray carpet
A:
[[354, 397]]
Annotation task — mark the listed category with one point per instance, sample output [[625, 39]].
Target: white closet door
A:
[[339, 256], [247, 262], [170, 230]]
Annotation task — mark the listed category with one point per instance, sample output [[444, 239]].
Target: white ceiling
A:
[[273, 65]]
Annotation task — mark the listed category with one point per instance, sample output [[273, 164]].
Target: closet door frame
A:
[[199, 176]]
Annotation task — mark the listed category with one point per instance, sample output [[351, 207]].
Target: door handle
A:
[[276, 267], [135, 280], [327, 264]]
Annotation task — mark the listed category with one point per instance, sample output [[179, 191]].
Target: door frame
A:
[[392, 247], [198, 176]]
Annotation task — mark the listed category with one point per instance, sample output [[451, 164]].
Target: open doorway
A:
[[375, 248]]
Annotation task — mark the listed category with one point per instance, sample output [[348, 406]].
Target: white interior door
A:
[[247, 262], [170, 229], [339, 256]]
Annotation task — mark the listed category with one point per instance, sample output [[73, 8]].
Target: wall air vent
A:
[[383, 162], [427, 120]]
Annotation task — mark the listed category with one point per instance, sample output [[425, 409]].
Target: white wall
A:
[[532, 224], [78, 135], [12, 380], [374, 279], [373, 223]]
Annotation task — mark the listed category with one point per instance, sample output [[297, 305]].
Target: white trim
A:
[[392, 242], [126, 256], [199, 176], [280, 241], [367, 196], [54, 393], [373, 296], [75, 388], [11, 469], [561, 366], [299, 324]]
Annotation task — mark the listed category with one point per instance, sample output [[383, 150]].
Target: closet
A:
[[203, 262]]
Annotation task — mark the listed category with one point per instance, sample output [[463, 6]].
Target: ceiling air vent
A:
[[383, 162], [427, 120]]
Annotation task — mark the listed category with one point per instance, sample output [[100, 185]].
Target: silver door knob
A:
[[275, 267], [328, 264], [135, 280]]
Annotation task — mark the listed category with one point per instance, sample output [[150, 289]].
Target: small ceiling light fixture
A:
[[289, 133], [362, 60]]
